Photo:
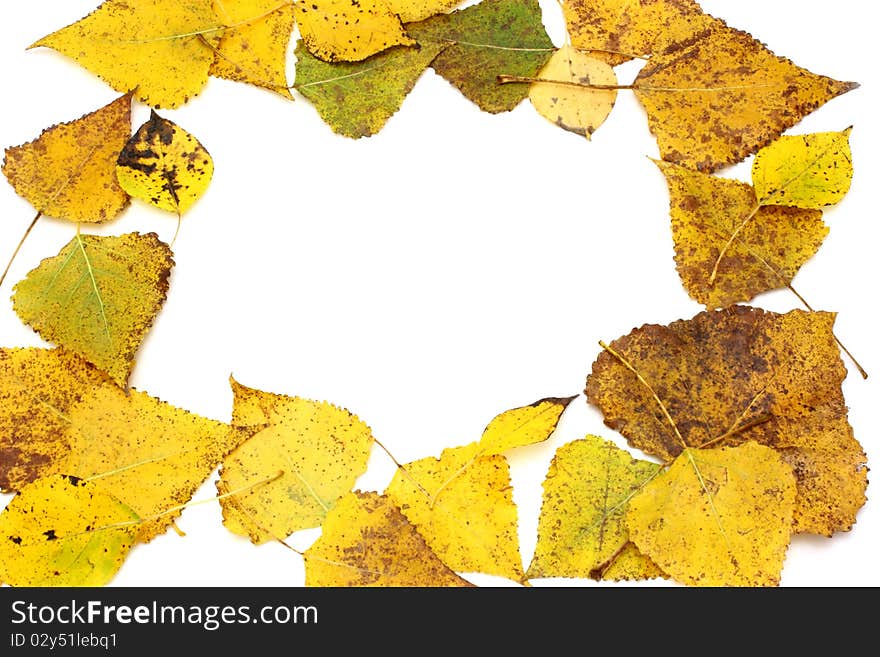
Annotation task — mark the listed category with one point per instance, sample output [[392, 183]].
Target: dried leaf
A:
[[581, 530], [155, 48], [367, 541], [578, 109], [69, 171], [38, 387], [373, 90], [488, 39], [253, 49], [740, 94], [618, 30], [152, 455], [165, 166], [728, 376], [525, 425], [804, 171], [98, 297], [321, 450], [763, 247], [342, 30], [417, 10], [717, 517], [64, 531]]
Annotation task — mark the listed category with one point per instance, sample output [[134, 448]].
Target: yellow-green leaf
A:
[[155, 48], [578, 109], [804, 171], [311, 451], [342, 30], [367, 541], [718, 517], [69, 171], [38, 387], [581, 530], [64, 531], [98, 297], [522, 426], [165, 166]]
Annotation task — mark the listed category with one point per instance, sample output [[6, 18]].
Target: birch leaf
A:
[[155, 48], [69, 171], [98, 297]]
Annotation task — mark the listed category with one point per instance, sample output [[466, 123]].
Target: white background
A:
[[453, 266]]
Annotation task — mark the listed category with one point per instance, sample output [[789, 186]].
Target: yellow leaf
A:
[[732, 90], [631, 565], [618, 30], [578, 109], [254, 47], [729, 248], [155, 48], [462, 504], [366, 541], [735, 375], [417, 10], [321, 450], [152, 455], [522, 426], [341, 30], [69, 171], [165, 166], [38, 387], [98, 297], [805, 171], [717, 517], [64, 531], [581, 531]]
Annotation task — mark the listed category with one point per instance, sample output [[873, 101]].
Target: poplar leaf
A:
[[253, 48], [367, 541], [740, 94], [38, 387], [717, 517], [165, 166], [728, 247], [342, 30], [728, 376], [486, 40], [804, 171], [417, 10], [98, 297], [319, 450], [525, 425], [373, 89], [578, 109], [155, 48], [581, 529], [64, 531], [69, 171]]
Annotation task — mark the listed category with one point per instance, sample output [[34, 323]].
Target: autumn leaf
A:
[[165, 166], [578, 109], [618, 30], [64, 531], [728, 247], [581, 529], [373, 90], [524, 425], [161, 50], [804, 171], [486, 40], [319, 448], [342, 30], [38, 387], [98, 297], [367, 541], [417, 10], [740, 94], [717, 517], [253, 48], [69, 171], [729, 376], [151, 454]]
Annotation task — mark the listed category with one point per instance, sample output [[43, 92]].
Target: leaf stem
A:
[[18, 248], [402, 468], [509, 79]]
